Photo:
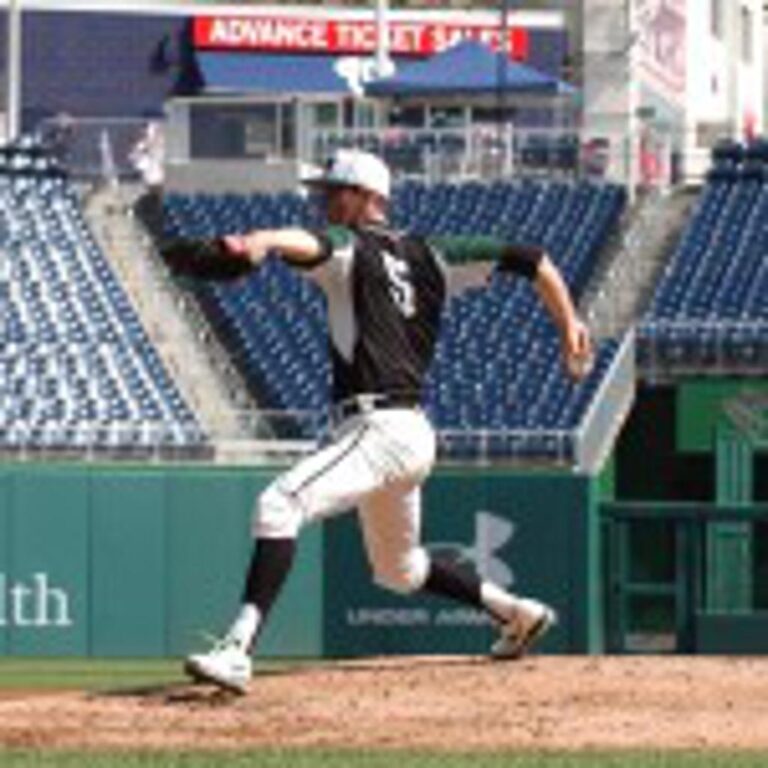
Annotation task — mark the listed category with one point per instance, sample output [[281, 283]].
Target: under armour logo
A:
[[492, 534]]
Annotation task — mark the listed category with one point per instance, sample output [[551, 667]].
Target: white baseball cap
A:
[[354, 168]]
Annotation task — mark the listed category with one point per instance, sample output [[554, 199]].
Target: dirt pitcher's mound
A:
[[444, 703]]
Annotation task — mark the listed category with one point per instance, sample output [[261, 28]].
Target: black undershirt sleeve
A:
[[521, 260], [203, 259], [518, 259]]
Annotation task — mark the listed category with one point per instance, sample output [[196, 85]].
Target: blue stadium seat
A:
[[711, 305], [74, 359]]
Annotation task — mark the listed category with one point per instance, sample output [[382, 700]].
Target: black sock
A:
[[270, 564], [448, 579]]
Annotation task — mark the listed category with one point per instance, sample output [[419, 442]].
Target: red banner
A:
[[307, 35]]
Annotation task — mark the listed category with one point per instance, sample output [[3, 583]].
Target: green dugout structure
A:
[[686, 536], [116, 561]]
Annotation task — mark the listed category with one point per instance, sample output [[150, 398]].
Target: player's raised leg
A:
[[391, 521]]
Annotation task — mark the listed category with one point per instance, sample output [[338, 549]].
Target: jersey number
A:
[[400, 287]]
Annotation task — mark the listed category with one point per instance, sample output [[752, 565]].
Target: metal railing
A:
[[170, 315], [679, 347], [273, 436], [479, 152], [550, 447], [612, 300], [259, 436], [112, 149], [608, 410], [140, 440], [102, 149]]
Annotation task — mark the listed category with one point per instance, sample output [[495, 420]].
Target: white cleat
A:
[[521, 631], [226, 665]]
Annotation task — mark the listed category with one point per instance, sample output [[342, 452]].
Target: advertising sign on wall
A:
[[33, 602], [272, 33], [532, 534], [103, 562]]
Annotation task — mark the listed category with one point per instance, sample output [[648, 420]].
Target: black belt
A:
[[367, 403]]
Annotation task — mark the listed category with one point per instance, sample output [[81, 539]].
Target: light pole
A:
[[384, 66], [502, 60], [13, 85]]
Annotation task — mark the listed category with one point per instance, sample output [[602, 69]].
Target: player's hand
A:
[[253, 247], [576, 348]]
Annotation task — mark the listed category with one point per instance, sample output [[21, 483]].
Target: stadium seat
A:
[[77, 370], [710, 308]]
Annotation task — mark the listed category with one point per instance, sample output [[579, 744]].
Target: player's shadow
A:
[[186, 693], [182, 693]]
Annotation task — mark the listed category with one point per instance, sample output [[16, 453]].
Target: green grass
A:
[[86, 674], [18, 673], [396, 759]]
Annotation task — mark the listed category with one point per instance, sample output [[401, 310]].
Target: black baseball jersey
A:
[[386, 292]]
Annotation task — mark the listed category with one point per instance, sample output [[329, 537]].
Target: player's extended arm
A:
[[206, 258], [575, 342], [296, 246], [234, 256], [533, 263]]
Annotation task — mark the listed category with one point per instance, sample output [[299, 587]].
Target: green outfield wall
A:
[[100, 561], [532, 533]]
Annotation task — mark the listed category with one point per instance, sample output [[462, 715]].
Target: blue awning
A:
[[469, 67], [270, 73]]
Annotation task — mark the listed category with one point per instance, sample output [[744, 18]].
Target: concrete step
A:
[[203, 373], [625, 281]]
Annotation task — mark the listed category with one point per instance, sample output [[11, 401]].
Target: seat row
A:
[[77, 369], [710, 307]]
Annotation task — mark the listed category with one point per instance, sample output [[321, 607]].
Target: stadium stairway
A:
[[624, 280], [206, 381]]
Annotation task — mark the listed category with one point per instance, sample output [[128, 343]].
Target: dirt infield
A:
[[446, 703]]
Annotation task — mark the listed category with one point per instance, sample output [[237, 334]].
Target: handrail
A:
[[679, 346], [609, 407], [693, 511]]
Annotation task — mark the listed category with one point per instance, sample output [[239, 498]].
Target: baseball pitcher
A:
[[385, 292]]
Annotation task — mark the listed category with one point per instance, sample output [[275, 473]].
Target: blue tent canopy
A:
[[264, 73], [470, 67]]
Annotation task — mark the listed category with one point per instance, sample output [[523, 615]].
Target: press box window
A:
[[229, 131]]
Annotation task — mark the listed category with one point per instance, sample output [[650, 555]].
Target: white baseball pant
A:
[[376, 462]]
